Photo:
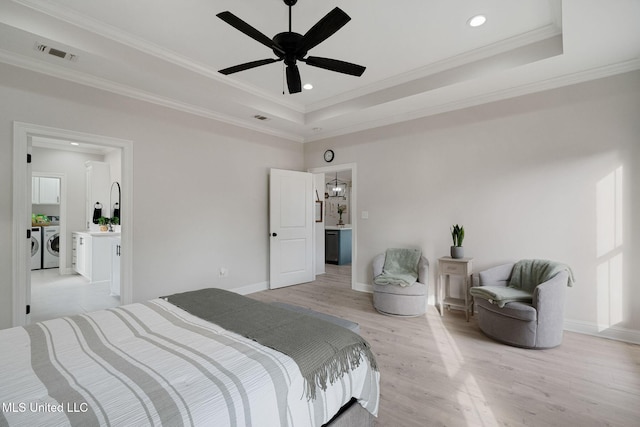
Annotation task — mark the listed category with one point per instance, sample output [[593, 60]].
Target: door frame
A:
[[354, 217], [21, 267]]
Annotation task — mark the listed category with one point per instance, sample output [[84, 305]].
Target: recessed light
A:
[[307, 86], [477, 20], [74, 143]]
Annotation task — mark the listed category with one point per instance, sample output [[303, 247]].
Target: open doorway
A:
[[59, 210], [338, 192], [27, 139]]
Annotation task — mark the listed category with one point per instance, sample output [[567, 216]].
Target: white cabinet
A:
[[92, 256], [45, 190], [35, 190], [81, 254], [115, 267]]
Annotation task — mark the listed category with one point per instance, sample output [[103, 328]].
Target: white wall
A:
[[216, 177], [527, 177]]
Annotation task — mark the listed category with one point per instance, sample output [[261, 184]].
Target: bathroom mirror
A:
[[114, 200]]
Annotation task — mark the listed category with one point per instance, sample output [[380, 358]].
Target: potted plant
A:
[[103, 222], [457, 233]]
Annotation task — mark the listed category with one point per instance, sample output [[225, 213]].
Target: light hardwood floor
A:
[[442, 371]]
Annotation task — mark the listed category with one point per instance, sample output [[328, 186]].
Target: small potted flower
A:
[[341, 209]]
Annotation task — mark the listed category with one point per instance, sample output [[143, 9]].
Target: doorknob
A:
[[274, 234]]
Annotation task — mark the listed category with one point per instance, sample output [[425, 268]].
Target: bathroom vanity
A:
[[92, 254]]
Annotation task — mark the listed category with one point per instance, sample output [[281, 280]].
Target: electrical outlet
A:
[[365, 214]]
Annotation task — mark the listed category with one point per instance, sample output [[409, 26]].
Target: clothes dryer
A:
[[36, 248], [51, 246]]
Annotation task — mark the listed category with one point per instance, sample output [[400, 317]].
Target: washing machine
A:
[[51, 246], [36, 248]]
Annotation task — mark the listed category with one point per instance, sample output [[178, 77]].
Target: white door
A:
[[291, 209]]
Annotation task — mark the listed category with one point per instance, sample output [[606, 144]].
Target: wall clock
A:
[[328, 155]]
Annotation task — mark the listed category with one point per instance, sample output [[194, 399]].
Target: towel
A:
[[400, 267]]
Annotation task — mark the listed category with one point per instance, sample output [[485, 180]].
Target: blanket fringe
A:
[[345, 360]]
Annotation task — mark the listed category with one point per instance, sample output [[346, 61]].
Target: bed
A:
[[155, 363]]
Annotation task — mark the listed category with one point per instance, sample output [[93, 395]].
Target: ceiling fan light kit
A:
[[291, 47]]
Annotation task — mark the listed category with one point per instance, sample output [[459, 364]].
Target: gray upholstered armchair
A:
[[537, 323], [398, 300]]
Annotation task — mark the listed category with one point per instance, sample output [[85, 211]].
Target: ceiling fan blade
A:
[[242, 26], [335, 65], [293, 79], [248, 65], [323, 29]]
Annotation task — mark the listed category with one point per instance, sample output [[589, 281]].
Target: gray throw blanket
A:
[[529, 273], [501, 295], [400, 267], [322, 350], [525, 276]]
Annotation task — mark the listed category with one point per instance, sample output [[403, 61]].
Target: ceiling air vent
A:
[[261, 117], [55, 52]]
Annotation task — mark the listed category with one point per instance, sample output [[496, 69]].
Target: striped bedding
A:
[[155, 364]]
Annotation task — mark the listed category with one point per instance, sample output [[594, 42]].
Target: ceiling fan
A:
[[291, 47]]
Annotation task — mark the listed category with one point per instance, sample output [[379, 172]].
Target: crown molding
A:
[[498, 95], [109, 86], [401, 114], [120, 36], [84, 79], [456, 61]]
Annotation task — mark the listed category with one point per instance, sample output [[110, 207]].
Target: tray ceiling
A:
[[421, 56]]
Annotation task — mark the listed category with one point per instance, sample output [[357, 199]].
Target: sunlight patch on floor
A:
[[472, 401]]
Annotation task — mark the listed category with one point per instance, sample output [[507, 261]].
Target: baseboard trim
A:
[[613, 333], [250, 289], [363, 287]]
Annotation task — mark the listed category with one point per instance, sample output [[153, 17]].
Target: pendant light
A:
[[338, 188]]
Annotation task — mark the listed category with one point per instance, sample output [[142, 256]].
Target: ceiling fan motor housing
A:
[[289, 42]]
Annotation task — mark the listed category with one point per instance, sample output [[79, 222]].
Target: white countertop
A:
[[335, 227], [100, 233]]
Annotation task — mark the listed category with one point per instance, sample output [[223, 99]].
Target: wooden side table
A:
[[448, 267]]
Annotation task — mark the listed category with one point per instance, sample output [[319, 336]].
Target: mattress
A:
[[154, 364]]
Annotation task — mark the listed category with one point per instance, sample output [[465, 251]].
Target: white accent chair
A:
[[395, 300]]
